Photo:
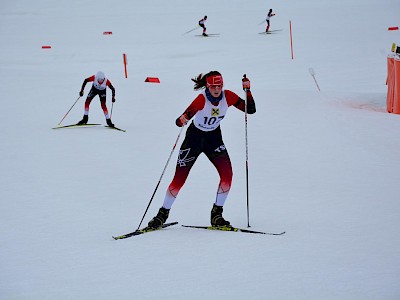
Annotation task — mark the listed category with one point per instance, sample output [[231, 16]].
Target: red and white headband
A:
[[214, 80]]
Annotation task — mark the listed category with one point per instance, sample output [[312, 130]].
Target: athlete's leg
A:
[[85, 118], [103, 104], [92, 93], [220, 159], [186, 159], [87, 105], [188, 153], [266, 30]]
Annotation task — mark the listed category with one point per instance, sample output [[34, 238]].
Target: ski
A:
[[143, 230], [75, 125], [270, 31], [208, 35], [116, 128], [234, 229]]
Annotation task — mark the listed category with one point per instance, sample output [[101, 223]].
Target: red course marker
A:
[[152, 79]]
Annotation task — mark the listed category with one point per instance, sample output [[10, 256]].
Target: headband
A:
[[214, 80]]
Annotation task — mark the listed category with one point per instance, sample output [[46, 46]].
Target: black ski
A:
[[209, 35], [75, 125], [234, 229], [270, 31], [141, 231], [116, 128]]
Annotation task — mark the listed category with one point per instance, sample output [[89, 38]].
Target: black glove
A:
[[81, 93], [113, 98]]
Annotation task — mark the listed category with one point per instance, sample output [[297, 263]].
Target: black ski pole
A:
[[191, 30], [68, 111], [162, 174], [247, 157]]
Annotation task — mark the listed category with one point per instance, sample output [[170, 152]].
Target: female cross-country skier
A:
[[100, 83], [270, 14], [204, 136], [203, 25]]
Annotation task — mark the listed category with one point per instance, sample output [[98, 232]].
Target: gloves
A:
[[245, 83], [182, 121], [113, 98], [81, 93]]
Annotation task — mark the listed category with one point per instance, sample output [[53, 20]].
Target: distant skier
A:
[[202, 24], [270, 14], [100, 83], [203, 135]]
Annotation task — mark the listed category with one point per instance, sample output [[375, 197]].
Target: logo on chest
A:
[[215, 112]]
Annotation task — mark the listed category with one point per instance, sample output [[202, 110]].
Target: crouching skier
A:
[[100, 83], [204, 136], [202, 24]]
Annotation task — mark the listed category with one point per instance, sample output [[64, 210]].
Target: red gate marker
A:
[[152, 79], [291, 38], [46, 47], [125, 63], [393, 28], [107, 32]]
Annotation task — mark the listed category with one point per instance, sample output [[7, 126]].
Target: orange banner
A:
[[390, 84]]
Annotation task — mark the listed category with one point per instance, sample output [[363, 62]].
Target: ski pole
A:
[[112, 105], [191, 30], [312, 72], [68, 111], [162, 174], [247, 158]]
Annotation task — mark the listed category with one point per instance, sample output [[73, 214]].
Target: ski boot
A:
[[109, 123], [216, 217], [205, 34], [84, 120], [159, 220]]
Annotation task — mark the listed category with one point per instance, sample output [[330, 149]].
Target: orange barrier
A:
[[390, 81], [396, 101]]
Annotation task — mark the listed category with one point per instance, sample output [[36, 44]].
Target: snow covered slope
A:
[[324, 166]]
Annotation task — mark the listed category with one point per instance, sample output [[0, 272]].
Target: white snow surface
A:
[[324, 166]]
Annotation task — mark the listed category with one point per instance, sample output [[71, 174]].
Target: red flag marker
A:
[[152, 79], [107, 32], [393, 28], [291, 38], [125, 63], [46, 47]]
